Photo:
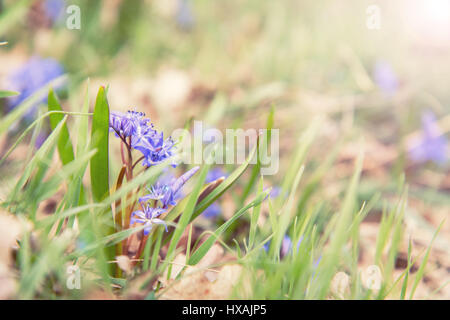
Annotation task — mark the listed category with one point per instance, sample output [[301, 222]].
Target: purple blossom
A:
[[168, 192], [147, 216], [160, 192], [54, 9], [143, 136], [275, 192], [129, 124], [286, 245], [184, 17], [385, 77], [153, 146], [432, 145], [212, 211], [31, 77]]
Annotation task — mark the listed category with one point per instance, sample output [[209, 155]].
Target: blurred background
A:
[[376, 73]]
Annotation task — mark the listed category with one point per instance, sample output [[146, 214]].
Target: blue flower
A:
[[142, 135], [286, 245], [275, 192], [31, 77], [184, 17], [168, 192], [147, 216], [129, 124], [385, 77], [153, 146], [214, 209], [432, 145], [160, 192], [54, 9]]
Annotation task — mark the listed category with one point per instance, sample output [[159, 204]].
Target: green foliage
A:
[[99, 164]]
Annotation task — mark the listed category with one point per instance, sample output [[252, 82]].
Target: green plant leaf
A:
[[5, 94], [99, 140]]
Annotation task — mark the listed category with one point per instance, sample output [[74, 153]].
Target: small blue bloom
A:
[[142, 135], [147, 216], [184, 17], [432, 145], [286, 245], [154, 147], [31, 77], [160, 192], [167, 193], [275, 192], [212, 211], [385, 77], [129, 124], [54, 9]]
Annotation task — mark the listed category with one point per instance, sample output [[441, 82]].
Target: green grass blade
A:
[[65, 147], [421, 270], [224, 186], [205, 246], [186, 215]]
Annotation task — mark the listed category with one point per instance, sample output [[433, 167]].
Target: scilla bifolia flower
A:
[[138, 133], [158, 200]]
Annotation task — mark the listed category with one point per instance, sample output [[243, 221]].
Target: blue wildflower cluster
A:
[[138, 133], [31, 77], [161, 195]]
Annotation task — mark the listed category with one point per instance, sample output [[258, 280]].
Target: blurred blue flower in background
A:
[[385, 78], [31, 77], [214, 209], [286, 245], [184, 16], [275, 192], [215, 174], [432, 145], [54, 9]]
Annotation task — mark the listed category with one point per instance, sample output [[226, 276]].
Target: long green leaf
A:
[[5, 94], [99, 140]]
